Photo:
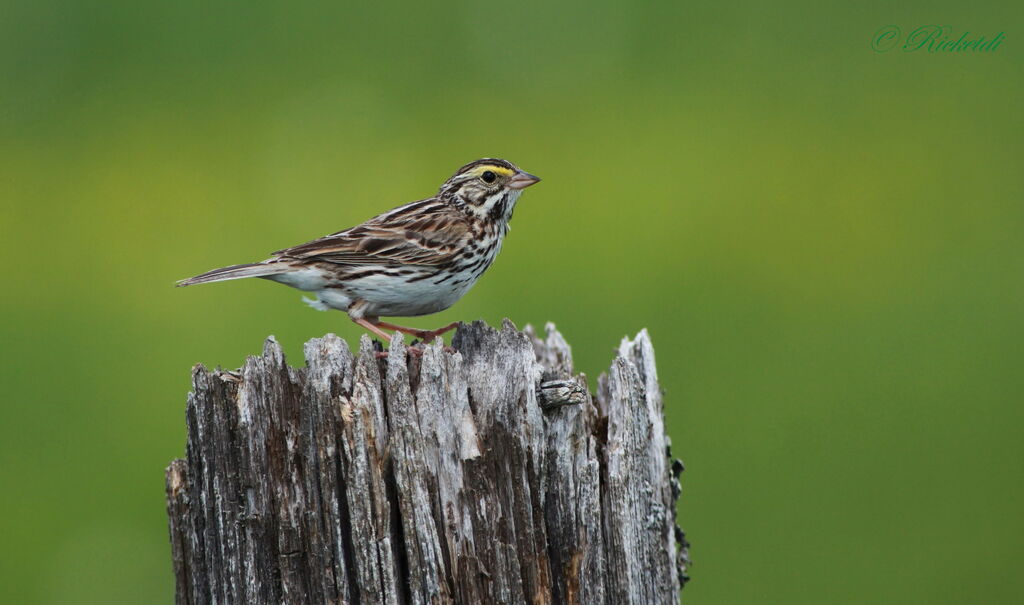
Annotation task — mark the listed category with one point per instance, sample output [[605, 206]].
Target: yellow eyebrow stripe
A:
[[500, 170]]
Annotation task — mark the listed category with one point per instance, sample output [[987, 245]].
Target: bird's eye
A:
[[489, 177]]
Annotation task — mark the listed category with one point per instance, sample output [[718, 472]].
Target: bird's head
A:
[[487, 188]]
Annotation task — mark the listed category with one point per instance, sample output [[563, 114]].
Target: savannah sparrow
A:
[[414, 260]]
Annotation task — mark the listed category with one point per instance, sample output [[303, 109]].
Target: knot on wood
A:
[[556, 393]]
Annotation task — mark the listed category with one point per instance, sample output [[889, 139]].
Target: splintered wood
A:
[[490, 475]]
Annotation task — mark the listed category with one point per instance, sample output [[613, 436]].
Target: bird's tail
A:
[[235, 272]]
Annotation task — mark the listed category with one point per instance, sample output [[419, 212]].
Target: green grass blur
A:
[[825, 243]]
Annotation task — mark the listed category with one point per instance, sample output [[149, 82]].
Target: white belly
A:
[[394, 296], [400, 297]]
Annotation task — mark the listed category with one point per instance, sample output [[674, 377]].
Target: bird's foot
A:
[[416, 350], [427, 336]]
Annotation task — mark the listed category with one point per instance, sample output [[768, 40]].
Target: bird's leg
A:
[[421, 334], [435, 333], [374, 327]]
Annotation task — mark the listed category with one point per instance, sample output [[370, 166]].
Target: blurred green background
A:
[[824, 241]]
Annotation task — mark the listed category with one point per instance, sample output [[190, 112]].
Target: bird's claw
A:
[[416, 350]]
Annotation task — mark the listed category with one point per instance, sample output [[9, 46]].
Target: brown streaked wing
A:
[[427, 232]]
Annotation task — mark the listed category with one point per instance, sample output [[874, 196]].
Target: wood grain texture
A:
[[490, 475]]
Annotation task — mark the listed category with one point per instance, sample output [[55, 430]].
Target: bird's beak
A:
[[522, 180]]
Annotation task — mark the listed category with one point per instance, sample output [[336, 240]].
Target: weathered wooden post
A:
[[485, 476]]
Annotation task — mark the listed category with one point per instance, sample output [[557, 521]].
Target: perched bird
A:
[[414, 260]]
